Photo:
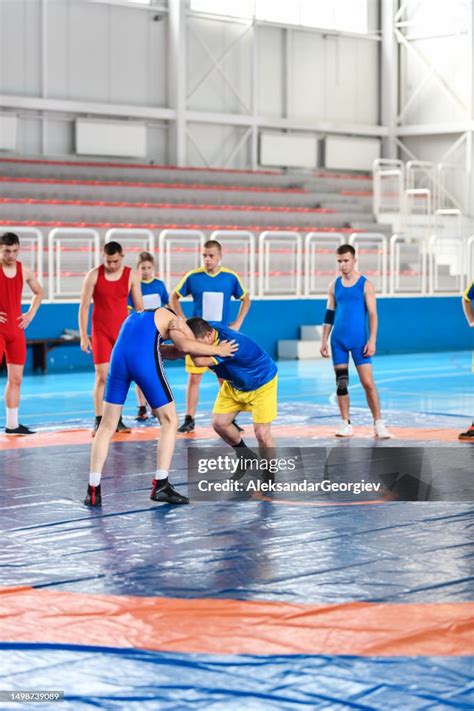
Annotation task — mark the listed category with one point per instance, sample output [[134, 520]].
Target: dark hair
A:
[[344, 248], [198, 326], [213, 243], [145, 257], [113, 248], [9, 239]]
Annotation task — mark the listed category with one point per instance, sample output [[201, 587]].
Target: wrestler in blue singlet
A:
[[136, 356], [349, 333]]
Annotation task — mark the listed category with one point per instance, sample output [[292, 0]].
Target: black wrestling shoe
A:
[[93, 496], [96, 425], [20, 430], [188, 424], [142, 414], [467, 436], [236, 424], [166, 494], [122, 427]]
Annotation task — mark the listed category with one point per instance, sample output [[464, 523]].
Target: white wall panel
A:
[[334, 78], [29, 136], [111, 138], [20, 47], [279, 149], [215, 94], [270, 71], [8, 133], [345, 153]]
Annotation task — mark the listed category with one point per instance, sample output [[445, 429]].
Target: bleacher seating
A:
[[73, 193]]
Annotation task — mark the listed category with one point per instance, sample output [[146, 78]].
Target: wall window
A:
[[339, 15]]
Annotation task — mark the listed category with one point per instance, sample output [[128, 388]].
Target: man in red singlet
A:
[[13, 323], [109, 286]]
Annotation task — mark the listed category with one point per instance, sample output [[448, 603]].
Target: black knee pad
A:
[[342, 381]]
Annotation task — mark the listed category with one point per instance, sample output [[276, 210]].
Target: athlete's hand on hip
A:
[[369, 348], [24, 320], [3, 317], [86, 344], [227, 348], [235, 326], [324, 350]]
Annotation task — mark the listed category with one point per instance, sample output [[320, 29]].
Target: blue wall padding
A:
[[405, 325]]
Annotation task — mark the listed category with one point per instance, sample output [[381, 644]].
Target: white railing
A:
[[133, 241], [372, 251], [239, 254], [450, 181], [392, 180], [321, 268], [72, 251], [388, 185], [420, 174], [446, 257], [417, 201], [180, 251], [274, 263], [279, 259], [408, 265]]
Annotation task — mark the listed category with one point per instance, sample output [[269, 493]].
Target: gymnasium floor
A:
[[266, 604]]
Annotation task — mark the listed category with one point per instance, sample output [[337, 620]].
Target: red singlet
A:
[[109, 312], [12, 337]]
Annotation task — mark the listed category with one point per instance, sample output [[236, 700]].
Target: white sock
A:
[[161, 474], [94, 478], [12, 418]]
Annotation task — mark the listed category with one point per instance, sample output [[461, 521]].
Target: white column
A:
[[389, 77], [177, 79]]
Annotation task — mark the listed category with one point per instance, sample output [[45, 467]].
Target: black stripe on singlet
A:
[[160, 370]]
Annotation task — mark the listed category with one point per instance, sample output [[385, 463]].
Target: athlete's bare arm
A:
[[467, 308], [187, 344], [370, 302], [327, 328], [25, 319], [88, 286], [176, 306], [135, 290], [243, 311]]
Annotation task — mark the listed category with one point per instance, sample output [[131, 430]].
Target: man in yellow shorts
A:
[[467, 299], [212, 288], [250, 383]]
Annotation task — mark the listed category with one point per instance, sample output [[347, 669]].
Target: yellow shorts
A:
[[262, 403], [191, 368]]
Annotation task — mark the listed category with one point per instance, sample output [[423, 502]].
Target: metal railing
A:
[[272, 264], [180, 251], [72, 251], [320, 265], [280, 255], [133, 241], [388, 185]]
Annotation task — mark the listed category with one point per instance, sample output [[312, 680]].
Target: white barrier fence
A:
[[417, 187], [271, 264]]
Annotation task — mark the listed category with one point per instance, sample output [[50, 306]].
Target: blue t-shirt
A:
[[249, 368], [212, 293], [469, 293], [154, 294]]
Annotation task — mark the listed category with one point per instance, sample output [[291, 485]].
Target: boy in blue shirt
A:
[[154, 295], [212, 287], [250, 379]]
